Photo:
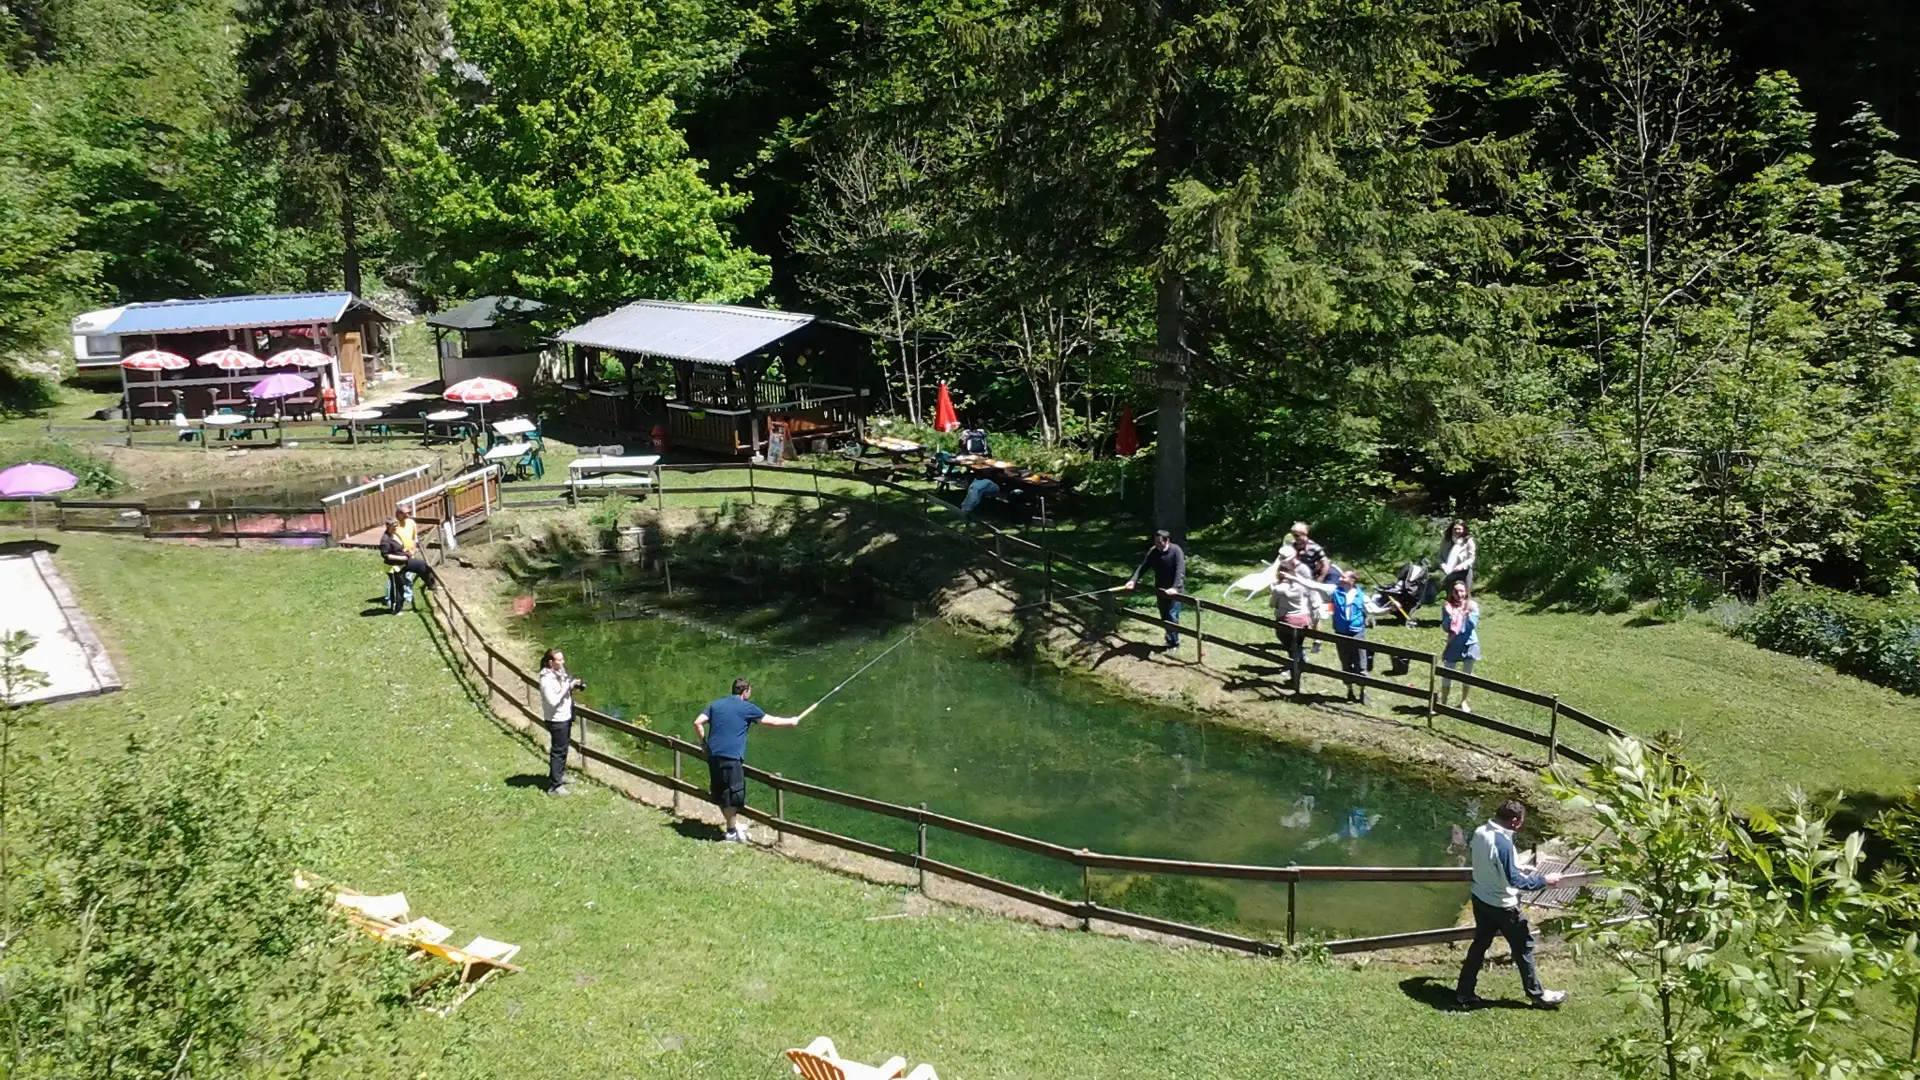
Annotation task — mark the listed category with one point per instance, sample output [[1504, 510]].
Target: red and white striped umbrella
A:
[[480, 391], [231, 360], [307, 358], [155, 360]]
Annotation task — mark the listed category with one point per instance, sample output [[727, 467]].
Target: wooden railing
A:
[[1547, 722], [136, 518], [368, 506], [519, 690]]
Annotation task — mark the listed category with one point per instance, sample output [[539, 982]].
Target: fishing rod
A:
[[924, 623], [1064, 599]]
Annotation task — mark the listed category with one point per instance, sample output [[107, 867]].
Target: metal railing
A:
[[490, 665]]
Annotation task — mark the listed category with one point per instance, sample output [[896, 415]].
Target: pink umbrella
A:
[[480, 391], [307, 358], [32, 480], [279, 385]]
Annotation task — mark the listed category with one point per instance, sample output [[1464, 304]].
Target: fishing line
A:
[[1064, 599], [924, 623]]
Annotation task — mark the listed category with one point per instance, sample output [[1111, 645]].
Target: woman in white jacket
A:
[[1295, 595], [1457, 553]]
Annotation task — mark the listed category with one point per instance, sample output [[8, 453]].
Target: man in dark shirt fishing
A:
[[723, 727], [1169, 565]]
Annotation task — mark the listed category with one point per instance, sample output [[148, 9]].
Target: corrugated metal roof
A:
[[484, 313], [230, 313], [707, 333]]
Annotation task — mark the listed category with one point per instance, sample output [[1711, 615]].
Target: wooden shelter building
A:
[[489, 338], [339, 324], [713, 375]]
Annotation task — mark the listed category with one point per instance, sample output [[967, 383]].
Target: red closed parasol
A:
[[1126, 442], [944, 418]]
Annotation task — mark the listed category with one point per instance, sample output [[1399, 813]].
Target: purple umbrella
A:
[[279, 386], [34, 479]]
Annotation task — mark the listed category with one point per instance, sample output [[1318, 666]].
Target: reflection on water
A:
[[1011, 745]]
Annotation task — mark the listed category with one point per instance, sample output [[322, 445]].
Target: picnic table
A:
[[604, 471], [449, 421], [231, 425]]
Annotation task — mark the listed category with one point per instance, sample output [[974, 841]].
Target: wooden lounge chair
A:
[[476, 962], [421, 931], [819, 1061], [390, 909]]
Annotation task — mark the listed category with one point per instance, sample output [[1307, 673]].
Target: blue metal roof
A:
[[708, 333], [231, 313]]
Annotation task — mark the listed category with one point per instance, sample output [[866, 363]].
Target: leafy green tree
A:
[[556, 172], [160, 935], [328, 85]]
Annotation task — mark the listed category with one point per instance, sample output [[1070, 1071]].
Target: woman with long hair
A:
[[1460, 615], [1457, 554]]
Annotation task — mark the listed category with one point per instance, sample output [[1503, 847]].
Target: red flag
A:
[[1127, 441], [944, 418]]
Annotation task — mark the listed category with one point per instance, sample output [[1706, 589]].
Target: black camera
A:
[[579, 684]]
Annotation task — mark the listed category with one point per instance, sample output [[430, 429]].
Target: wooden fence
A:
[[519, 689], [358, 509], [136, 518], [1538, 719], [278, 432]]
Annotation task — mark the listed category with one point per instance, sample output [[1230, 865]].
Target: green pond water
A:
[[1021, 747]]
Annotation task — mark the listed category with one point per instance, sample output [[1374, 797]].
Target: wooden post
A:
[[753, 490], [780, 811], [1047, 555], [1292, 887], [1086, 893], [1199, 640], [1433, 687], [920, 863], [818, 502], [1553, 733], [676, 776]]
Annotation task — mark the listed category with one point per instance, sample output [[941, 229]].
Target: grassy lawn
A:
[[650, 952]]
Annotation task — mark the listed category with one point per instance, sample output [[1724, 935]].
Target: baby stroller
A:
[[1404, 596]]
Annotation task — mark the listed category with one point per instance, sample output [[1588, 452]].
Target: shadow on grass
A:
[[527, 780], [697, 830], [1439, 996]]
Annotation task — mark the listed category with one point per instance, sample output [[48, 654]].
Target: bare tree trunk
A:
[[1170, 468], [349, 232]]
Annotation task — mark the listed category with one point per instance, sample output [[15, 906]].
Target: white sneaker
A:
[[1466, 708], [1550, 999], [740, 832]]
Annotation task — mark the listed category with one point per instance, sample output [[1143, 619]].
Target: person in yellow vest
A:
[[400, 550]]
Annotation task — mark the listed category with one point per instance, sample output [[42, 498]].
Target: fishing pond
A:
[[980, 733]]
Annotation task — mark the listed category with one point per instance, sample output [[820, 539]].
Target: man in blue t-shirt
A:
[[723, 727]]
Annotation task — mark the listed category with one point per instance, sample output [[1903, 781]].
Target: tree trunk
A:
[[349, 233], [1170, 453]]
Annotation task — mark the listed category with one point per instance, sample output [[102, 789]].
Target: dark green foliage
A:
[[1875, 639], [159, 933]]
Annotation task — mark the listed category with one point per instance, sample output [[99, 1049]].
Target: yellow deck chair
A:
[[820, 1061], [390, 908], [414, 932], [477, 961]]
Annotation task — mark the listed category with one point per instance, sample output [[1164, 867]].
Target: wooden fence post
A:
[[1433, 687], [1199, 637], [1292, 905], [753, 491], [780, 812], [1047, 556], [920, 863], [1553, 733], [1086, 893], [818, 502], [676, 776]]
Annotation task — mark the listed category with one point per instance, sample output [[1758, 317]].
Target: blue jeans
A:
[[1508, 922], [399, 591], [976, 491], [1169, 612]]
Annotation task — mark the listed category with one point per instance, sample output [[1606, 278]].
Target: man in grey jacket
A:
[[1497, 881], [556, 708]]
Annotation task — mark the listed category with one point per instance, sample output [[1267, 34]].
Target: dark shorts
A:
[[729, 779]]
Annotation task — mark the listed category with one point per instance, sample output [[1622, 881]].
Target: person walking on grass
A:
[[1295, 595], [1497, 881], [1169, 565], [723, 728], [1460, 616], [556, 708], [1350, 622]]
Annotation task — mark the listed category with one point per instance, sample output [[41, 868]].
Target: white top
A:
[[613, 464], [508, 451], [556, 696], [1458, 556], [448, 414], [519, 425], [227, 419], [360, 414]]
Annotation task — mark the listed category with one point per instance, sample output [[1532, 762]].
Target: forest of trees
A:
[[1633, 279]]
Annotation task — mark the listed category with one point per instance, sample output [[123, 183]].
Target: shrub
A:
[[1367, 530], [1872, 638], [612, 512]]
